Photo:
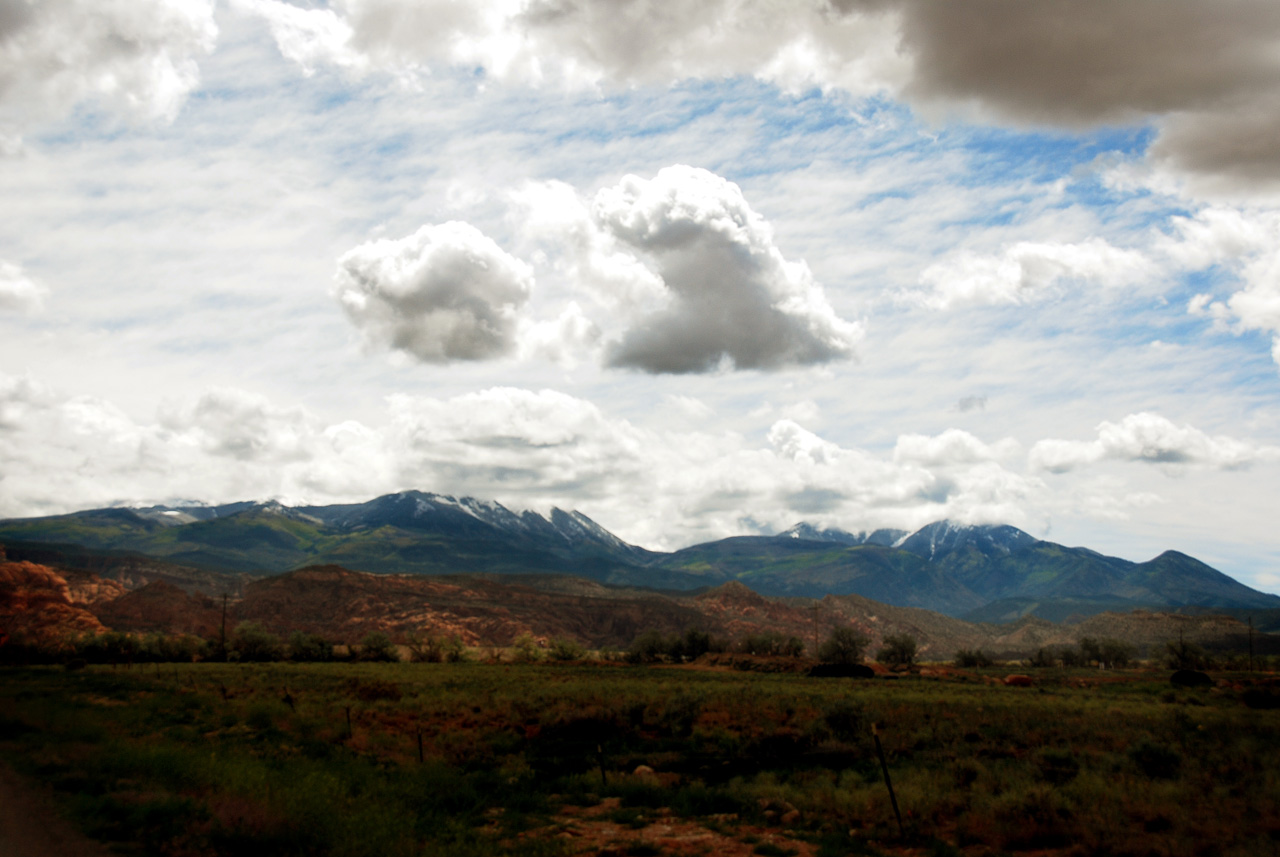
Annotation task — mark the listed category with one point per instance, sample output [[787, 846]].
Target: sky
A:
[[693, 269]]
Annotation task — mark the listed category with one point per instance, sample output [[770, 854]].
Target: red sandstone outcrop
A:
[[37, 605]]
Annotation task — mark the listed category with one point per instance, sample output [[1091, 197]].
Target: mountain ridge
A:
[[947, 567]]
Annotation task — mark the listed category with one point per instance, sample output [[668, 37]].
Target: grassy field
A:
[[476, 759]]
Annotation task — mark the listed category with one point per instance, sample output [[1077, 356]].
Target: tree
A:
[[304, 646], [1090, 650], [1115, 653], [648, 647], [899, 650], [565, 649], [425, 648], [252, 642], [454, 650], [526, 647], [693, 645], [972, 658], [1043, 658], [1071, 657], [844, 646], [377, 646]]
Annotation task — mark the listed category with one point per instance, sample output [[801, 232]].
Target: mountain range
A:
[[981, 573]]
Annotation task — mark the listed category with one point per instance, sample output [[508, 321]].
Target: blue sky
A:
[[695, 270]]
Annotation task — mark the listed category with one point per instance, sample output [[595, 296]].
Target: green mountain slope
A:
[[991, 573]]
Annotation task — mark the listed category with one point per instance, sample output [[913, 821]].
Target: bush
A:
[[527, 649], [647, 648], [425, 649], [565, 649], [899, 650], [972, 658], [844, 646], [113, 647], [309, 647], [377, 646], [693, 645], [454, 651], [252, 642], [1115, 653]]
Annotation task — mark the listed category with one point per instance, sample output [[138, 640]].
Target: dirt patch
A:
[[598, 830], [31, 827]]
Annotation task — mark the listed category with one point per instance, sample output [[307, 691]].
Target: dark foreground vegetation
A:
[[387, 759]]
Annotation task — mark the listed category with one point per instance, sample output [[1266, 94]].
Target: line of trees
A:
[[251, 642]]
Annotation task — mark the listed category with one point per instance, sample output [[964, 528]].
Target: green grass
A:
[[209, 759]]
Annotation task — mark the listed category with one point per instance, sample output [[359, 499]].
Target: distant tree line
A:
[[251, 642]]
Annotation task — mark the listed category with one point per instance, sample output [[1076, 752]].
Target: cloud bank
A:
[[1206, 75], [138, 57], [1153, 439], [528, 449]]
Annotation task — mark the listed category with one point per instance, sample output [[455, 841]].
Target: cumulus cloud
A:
[[18, 292], [138, 56], [953, 446], [445, 293], [1150, 438], [733, 299], [1026, 271], [1246, 244], [686, 275]]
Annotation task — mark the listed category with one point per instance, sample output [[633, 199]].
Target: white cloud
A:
[[445, 293], [1205, 74], [1245, 243], [734, 299], [18, 292], [232, 423], [953, 446], [137, 56], [1150, 438], [562, 340], [1027, 271], [308, 37], [585, 43], [591, 257]]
